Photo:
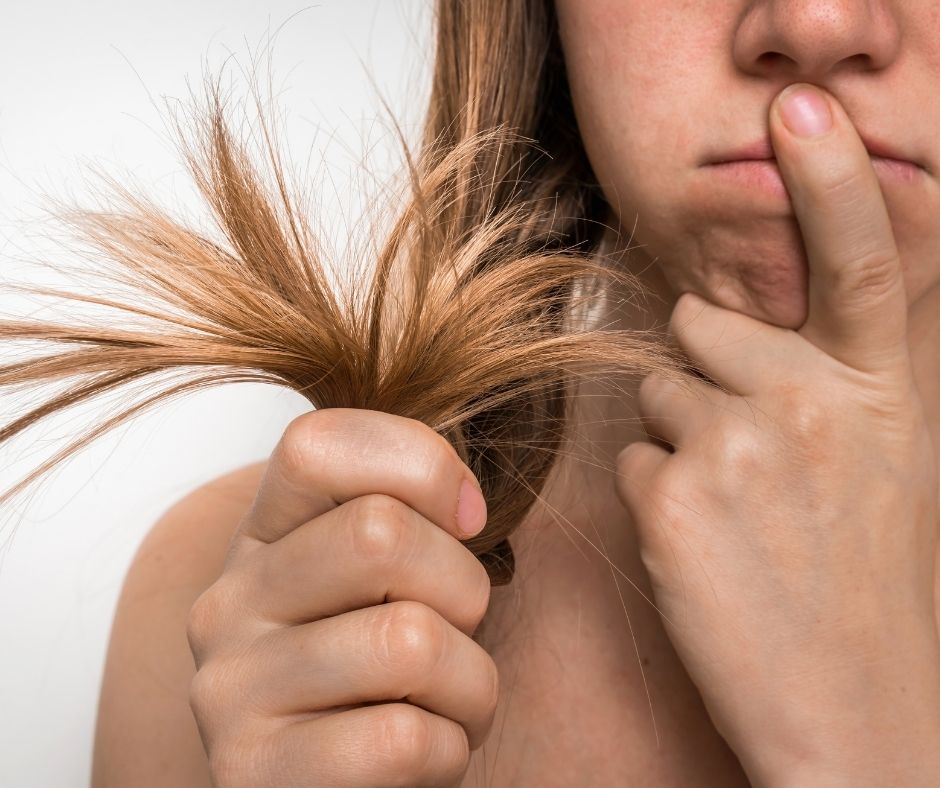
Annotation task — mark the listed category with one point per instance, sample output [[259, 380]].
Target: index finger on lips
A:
[[329, 456], [857, 303]]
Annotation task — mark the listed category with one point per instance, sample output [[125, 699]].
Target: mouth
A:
[[762, 176], [762, 151]]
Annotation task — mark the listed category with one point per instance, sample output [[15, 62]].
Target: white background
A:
[[82, 83]]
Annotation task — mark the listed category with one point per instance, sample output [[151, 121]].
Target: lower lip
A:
[[764, 175]]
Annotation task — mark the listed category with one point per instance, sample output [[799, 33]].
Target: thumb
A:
[[857, 301]]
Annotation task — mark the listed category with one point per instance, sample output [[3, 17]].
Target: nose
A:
[[809, 40]]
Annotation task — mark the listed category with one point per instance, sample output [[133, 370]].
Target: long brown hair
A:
[[469, 318]]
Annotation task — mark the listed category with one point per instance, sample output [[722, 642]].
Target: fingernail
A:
[[805, 111], [471, 509]]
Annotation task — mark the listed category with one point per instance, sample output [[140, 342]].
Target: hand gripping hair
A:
[[466, 317]]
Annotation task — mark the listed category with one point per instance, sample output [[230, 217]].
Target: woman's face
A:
[[663, 89]]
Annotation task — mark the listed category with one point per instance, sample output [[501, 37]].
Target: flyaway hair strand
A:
[[469, 319]]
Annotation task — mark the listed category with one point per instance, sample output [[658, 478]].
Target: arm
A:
[[146, 735]]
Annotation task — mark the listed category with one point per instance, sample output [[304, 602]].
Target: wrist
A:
[[901, 746], [887, 732], [915, 767]]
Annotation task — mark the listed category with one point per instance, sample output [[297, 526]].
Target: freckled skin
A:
[[661, 85]]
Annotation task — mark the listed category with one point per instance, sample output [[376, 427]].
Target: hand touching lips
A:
[[763, 149], [754, 165], [790, 537]]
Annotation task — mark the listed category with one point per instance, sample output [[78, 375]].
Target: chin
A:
[[775, 291], [754, 265], [787, 310]]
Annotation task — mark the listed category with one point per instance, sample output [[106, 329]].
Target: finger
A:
[[398, 651], [857, 303], [738, 352], [388, 744], [370, 550], [330, 456], [636, 467], [678, 412]]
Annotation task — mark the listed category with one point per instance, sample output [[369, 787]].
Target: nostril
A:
[[773, 59]]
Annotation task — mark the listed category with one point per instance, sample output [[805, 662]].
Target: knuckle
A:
[[438, 457], [806, 416], [457, 743], [439, 447], [207, 691], [874, 274], [844, 183], [808, 428], [739, 453], [666, 488], [299, 447], [492, 697], [674, 492], [197, 623], [210, 615], [637, 467], [403, 742], [409, 638], [202, 621], [381, 531], [479, 598], [462, 757], [874, 269]]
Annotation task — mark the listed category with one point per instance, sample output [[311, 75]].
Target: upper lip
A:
[[762, 150]]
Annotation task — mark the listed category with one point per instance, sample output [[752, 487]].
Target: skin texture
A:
[[678, 607], [330, 600], [789, 609], [660, 87], [811, 308]]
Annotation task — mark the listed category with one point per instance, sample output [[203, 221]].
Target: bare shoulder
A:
[[184, 551], [197, 528], [145, 734]]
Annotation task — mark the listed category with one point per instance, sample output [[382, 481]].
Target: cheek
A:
[[639, 72], [750, 261], [644, 128], [916, 224], [643, 75]]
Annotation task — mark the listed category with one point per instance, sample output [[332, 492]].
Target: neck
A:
[[580, 647], [606, 424], [576, 624], [576, 543]]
